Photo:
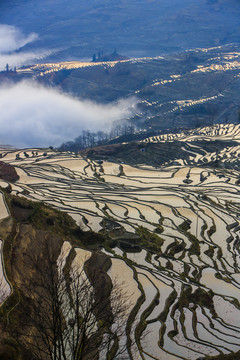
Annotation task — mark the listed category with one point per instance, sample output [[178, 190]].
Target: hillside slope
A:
[[171, 230], [193, 88]]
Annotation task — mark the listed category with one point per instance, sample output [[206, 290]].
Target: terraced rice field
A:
[[185, 280], [5, 288], [218, 132]]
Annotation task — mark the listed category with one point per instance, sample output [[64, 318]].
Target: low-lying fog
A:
[[36, 116]]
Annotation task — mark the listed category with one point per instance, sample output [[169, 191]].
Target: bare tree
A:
[[74, 314], [91, 139]]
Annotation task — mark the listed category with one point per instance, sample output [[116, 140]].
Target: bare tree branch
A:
[[74, 314]]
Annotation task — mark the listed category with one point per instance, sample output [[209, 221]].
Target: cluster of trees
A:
[[8, 69], [90, 139], [109, 57], [97, 57]]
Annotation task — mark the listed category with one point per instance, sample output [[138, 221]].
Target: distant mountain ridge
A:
[[75, 30]]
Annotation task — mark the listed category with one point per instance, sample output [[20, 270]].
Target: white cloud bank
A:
[[35, 116], [11, 40]]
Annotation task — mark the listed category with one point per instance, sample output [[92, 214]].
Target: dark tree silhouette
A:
[[91, 139], [74, 314]]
